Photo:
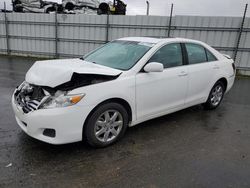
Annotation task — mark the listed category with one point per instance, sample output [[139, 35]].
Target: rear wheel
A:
[[215, 97], [106, 125]]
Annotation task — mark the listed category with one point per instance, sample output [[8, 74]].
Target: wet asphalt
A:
[[191, 148]]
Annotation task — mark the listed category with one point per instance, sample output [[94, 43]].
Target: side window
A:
[[169, 55], [196, 53], [210, 56]]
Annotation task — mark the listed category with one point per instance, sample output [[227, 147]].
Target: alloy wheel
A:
[[108, 125], [216, 95]]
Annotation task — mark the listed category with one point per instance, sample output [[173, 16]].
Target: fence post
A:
[[170, 19], [240, 32], [107, 28], [56, 35], [6, 30]]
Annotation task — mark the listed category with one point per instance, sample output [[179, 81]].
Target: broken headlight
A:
[[61, 99]]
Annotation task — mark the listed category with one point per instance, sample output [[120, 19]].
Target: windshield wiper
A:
[[82, 58]]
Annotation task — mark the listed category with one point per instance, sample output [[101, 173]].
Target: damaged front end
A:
[[32, 97], [29, 97], [80, 80]]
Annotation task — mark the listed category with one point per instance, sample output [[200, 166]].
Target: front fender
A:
[[122, 88]]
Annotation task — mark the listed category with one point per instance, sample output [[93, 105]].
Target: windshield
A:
[[119, 54]]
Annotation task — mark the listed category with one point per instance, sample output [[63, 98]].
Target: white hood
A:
[[55, 72]]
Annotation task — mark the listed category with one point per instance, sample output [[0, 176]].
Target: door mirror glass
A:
[[154, 67]]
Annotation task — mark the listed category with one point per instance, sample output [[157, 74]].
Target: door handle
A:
[[216, 67], [183, 73]]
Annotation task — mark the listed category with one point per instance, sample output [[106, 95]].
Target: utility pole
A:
[[6, 30], [147, 7], [170, 19], [56, 34], [239, 35]]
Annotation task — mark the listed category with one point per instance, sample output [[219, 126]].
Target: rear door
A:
[[202, 67]]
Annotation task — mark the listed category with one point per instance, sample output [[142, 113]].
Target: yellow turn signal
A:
[[76, 99]]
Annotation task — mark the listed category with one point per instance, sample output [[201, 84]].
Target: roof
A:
[[145, 39], [155, 40]]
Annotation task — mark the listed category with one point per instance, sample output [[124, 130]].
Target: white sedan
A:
[[121, 84]]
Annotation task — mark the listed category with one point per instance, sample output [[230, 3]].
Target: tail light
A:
[[233, 65]]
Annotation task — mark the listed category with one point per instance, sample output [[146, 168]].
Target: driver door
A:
[[158, 92]]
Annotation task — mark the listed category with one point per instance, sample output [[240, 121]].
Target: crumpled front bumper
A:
[[66, 121]]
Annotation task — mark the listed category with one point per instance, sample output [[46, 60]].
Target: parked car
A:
[[123, 83]]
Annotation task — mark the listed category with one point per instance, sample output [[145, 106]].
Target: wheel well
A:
[[224, 81], [120, 101]]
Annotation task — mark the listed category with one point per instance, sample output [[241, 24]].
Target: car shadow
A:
[[167, 124]]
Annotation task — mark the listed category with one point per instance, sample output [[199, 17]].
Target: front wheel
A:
[[215, 96], [106, 125]]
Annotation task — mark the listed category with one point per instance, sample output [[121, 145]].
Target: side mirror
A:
[[154, 67]]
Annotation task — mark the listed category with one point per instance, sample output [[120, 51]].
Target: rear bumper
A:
[[67, 122], [230, 82]]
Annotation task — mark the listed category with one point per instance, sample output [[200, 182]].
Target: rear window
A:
[[196, 53], [210, 56]]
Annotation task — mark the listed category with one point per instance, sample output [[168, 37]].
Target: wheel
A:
[[215, 96], [106, 125]]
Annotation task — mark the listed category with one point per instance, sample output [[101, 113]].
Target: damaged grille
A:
[[29, 97]]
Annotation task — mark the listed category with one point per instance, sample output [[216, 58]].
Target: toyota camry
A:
[[122, 83]]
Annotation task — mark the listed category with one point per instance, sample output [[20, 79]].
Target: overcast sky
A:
[[189, 7], [182, 7]]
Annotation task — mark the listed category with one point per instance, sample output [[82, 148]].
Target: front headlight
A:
[[61, 100]]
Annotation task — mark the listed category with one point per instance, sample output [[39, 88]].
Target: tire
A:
[[106, 125], [215, 96]]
